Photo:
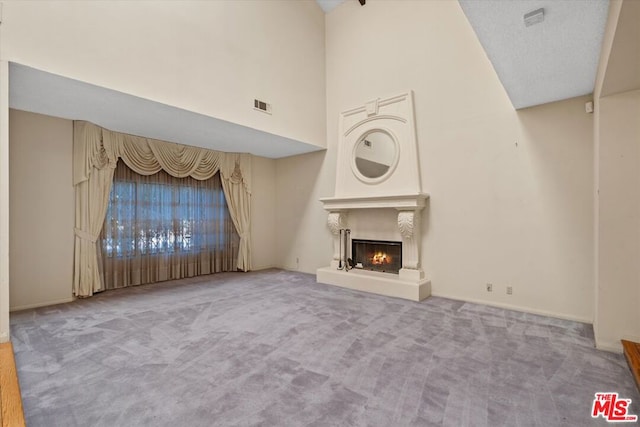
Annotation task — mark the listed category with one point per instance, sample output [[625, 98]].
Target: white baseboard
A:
[[634, 338], [530, 310], [41, 304], [263, 267], [614, 347]]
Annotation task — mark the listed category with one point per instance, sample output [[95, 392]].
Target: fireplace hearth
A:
[[377, 255]]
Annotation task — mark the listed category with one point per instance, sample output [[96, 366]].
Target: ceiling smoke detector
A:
[[534, 17]]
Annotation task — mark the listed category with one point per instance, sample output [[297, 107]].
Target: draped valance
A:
[[96, 147], [95, 153]]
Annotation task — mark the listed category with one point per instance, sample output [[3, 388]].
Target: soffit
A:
[[45, 93]]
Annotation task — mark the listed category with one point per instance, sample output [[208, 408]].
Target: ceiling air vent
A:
[[534, 17], [261, 106]]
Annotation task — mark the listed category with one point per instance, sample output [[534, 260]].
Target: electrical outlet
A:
[[489, 287], [509, 290]]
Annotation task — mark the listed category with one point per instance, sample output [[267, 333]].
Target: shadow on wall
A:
[[425, 226], [557, 151], [557, 143], [301, 221]]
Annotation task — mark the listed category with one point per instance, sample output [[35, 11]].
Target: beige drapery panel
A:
[[236, 186], [95, 154]]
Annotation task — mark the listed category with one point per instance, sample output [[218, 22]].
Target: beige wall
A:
[[4, 202], [303, 241], [511, 192], [263, 213], [41, 210], [210, 57], [618, 224], [617, 165], [41, 262]]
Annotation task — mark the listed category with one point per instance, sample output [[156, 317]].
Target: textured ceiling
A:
[[45, 93], [550, 61]]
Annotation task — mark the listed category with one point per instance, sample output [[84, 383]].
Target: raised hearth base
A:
[[377, 283]]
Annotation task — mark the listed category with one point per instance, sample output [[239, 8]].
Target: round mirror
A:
[[374, 153]]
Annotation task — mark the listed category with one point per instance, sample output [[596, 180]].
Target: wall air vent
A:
[[261, 106]]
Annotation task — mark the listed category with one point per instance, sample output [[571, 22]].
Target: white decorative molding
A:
[[394, 116], [381, 103], [409, 226], [405, 223], [335, 221], [370, 119], [415, 201], [372, 107]]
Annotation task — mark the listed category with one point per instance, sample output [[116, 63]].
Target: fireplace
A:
[[377, 255], [382, 131]]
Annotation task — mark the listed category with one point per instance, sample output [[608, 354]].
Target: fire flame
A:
[[379, 258]]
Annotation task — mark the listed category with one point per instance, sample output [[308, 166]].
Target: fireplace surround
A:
[[378, 169]]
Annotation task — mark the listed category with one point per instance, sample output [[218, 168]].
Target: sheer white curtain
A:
[[96, 152], [159, 227]]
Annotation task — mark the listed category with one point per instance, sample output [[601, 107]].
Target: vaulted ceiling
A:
[[552, 60], [549, 61]]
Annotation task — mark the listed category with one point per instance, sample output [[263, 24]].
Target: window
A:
[[159, 227]]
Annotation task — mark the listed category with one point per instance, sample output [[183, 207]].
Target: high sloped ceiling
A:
[[550, 61], [553, 60]]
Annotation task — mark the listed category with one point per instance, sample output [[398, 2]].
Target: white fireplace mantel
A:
[[400, 202], [410, 282]]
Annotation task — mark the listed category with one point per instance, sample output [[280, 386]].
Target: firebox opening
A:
[[377, 255]]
